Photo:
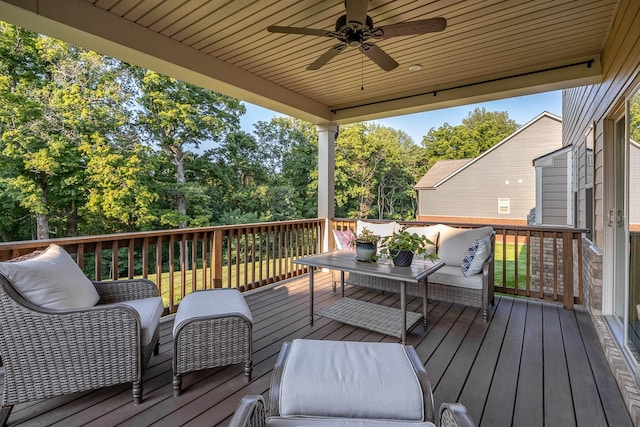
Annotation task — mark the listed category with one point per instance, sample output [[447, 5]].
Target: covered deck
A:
[[534, 363]]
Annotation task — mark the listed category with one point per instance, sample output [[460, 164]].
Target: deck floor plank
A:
[[529, 406], [476, 388], [610, 397], [583, 387], [558, 402], [502, 393], [496, 369]]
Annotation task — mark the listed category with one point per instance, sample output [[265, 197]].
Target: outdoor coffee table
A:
[[375, 317]]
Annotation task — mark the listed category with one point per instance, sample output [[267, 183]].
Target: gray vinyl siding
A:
[[474, 190], [595, 105], [554, 192]]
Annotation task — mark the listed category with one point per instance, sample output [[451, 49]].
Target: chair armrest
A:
[[114, 291], [276, 380], [250, 412], [455, 415]]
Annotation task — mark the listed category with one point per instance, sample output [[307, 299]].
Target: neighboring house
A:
[[497, 187], [553, 187]]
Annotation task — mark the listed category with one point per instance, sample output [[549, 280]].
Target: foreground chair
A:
[[343, 383], [251, 413], [62, 333]]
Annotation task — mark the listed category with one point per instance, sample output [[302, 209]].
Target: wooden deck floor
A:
[[533, 364]]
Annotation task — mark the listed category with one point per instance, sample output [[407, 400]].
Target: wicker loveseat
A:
[[48, 350], [452, 283]]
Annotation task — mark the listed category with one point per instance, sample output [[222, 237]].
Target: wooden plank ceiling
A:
[[533, 42]]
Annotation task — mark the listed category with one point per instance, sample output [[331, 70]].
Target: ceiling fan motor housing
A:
[[355, 35]]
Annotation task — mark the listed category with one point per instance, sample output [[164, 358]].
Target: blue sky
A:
[[522, 109]]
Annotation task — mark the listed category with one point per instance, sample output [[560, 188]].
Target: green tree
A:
[[176, 115], [291, 147], [634, 118], [374, 173], [478, 132], [54, 97]]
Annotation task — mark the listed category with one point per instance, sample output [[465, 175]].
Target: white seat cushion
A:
[[52, 279], [350, 380], [452, 275], [211, 303], [149, 310]]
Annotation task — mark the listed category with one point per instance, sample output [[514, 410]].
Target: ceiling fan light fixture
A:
[[415, 67]]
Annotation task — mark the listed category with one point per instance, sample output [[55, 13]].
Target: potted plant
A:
[[402, 245], [366, 244]]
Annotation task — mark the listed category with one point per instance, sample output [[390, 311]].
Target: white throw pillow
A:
[[51, 280], [381, 229], [476, 255]]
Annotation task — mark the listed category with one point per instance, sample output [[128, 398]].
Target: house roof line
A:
[[552, 153], [504, 141]]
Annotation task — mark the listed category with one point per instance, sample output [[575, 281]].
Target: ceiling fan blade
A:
[[379, 56], [356, 12], [296, 30], [326, 57], [410, 28]]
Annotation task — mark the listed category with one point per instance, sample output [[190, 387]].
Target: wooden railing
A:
[[181, 261], [250, 256], [521, 260]]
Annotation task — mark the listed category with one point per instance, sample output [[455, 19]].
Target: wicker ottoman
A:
[[212, 328]]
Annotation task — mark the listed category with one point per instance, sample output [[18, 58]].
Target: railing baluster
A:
[[98, 261], [131, 259], [172, 299], [145, 258], [216, 259], [194, 261], [114, 260]]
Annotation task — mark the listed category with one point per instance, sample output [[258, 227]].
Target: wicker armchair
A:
[[49, 352]]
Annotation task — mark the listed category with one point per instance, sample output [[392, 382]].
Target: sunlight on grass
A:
[[510, 265]]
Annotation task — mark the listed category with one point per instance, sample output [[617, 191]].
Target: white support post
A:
[[326, 185]]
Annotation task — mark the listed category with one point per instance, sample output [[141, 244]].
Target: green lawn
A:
[[509, 265]]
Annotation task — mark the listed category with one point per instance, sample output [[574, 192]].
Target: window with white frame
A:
[[504, 206]]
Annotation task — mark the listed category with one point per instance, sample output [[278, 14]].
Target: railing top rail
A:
[[7, 246], [536, 228]]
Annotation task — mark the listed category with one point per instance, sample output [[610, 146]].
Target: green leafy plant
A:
[[403, 240], [365, 236]]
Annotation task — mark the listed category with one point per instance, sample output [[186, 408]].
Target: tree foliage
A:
[[92, 145], [375, 172], [478, 132], [634, 118], [176, 115]]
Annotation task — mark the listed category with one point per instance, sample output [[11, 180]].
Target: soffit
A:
[[490, 49]]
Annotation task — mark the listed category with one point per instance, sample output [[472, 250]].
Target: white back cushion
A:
[[454, 242], [51, 280], [381, 229]]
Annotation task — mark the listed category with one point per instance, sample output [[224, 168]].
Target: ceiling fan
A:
[[356, 29]]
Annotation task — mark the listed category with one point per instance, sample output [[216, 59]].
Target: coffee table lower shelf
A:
[[377, 318]]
